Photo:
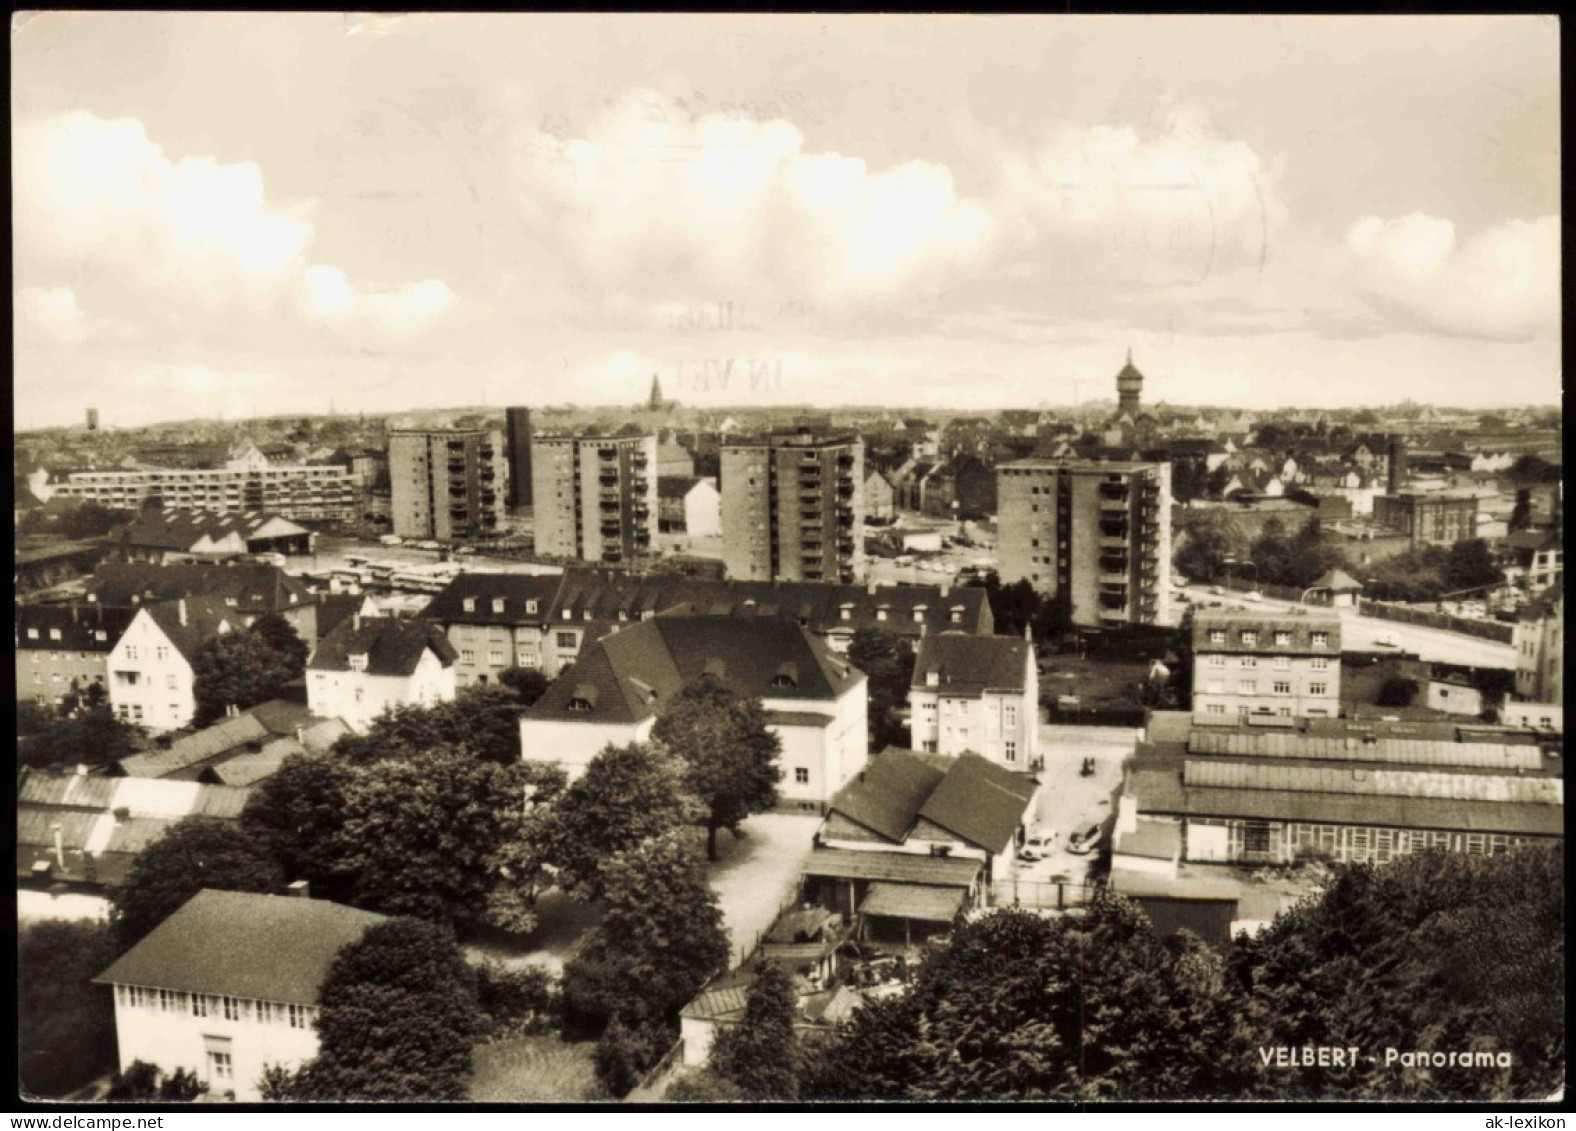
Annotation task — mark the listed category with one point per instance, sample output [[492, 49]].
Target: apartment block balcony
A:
[[639, 484], [456, 465], [1113, 491], [1113, 579], [638, 463], [607, 453], [1113, 616], [1113, 541]]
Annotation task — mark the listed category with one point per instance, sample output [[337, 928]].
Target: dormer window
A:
[[100, 635], [933, 678], [845, 612], [530, 606], [585, 614], [568, 615], [54, 634], [358, 661], [497, 604], [957, 616], [469, 604], [230, 601], [623, 614], [583, 699], [787, 676], [32, 634], [1250, 638], [881, 613], [1282, 639], [919, 615]]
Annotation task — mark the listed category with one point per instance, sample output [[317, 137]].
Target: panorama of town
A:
[[707, 743]]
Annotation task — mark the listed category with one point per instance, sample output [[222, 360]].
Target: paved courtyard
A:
[[756, 874], [1068, 799]]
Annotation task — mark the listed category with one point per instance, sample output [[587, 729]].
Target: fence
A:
[[655, 1082], [790, 899], [1033, 893], [1277, 592], [1427, 618]]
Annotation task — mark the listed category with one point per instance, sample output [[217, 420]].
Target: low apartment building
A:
[[814, 700], [1282, 665], [497, 621], [977, 694], [1429, 518], [366, 667], [64, 649], [307, 491], [184, 536], [1539, 640]]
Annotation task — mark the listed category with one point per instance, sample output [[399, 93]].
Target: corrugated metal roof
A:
[[1379, 811], [1381, 782], [938, 871], [912, 901], [194, 748], [1352, 748]]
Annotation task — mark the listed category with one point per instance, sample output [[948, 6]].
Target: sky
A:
[[258, 214]]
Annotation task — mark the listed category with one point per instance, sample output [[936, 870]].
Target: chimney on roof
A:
[[60, 845], [870, 587], [300, 734], [301, 889], [181, 607], [946, 587], [355, 622], [82, 769]]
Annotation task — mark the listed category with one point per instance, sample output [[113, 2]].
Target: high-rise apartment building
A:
[[517, 454], [793, 508], [446, 483], [595, 497], [1285, 665], [1095, 534]]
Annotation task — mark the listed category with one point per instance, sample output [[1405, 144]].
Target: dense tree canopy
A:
[[195, 853], [528, 684], [729, 755], [482, 721], [243, 669], [888, 663], [1434, 952], [397, 1019], [660, 941], [760, 1056], [297, 812], [1019, 1006], [1470, 565], [1297, 561], [66, 1025], [94, 737], [627, 795], [1210, 540]]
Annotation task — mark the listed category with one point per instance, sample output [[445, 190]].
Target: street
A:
[[1067, 799], [1361, 634]]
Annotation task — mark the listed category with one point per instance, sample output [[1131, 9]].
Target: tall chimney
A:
[[60, 845], [181, 606], [1396, 459], [355, 622]]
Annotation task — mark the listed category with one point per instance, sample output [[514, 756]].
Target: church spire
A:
[[656, 391]]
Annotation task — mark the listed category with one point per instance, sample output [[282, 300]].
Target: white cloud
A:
[[328, 296], [657, 202], [1502, 283], [51, 313]]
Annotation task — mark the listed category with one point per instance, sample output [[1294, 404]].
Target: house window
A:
[[358, 662], [199, 1005], [1215, 709], [495, 656], [265, 1013], [131, 651], [54, 634], [1256, 836], [801, 776], [1010, 715], [1318, 689], [1321, 639], [171, 1002], [1319, 664], [1282, 639], [1217, 661], [32, 634], [1011, 750], [233, 1008], [1217, 636], [160, 652], [1248, 686], [1250, 638], [467, 656], [1250, 661], [220, 1068], [497, 604], [566, 639], [169, 682], [136, 712], [530, 606], [1282, 687], [469, 604], [300, 1016], [360, 694], [1283, 663]]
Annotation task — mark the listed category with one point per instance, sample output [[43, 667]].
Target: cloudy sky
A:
[[269, 213]]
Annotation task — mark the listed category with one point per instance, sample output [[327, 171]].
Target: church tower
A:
[[1129, 383], [656, 394]]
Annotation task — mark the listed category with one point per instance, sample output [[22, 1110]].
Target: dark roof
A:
[[190, 622], [181, 530], [1300, 625], [888, 793], [334, 608], [896, 867], [392, 646], [912, 901], [1338, 580], [516, 590], [78, 625], [253, 586], [261, 947], [676, 486], [203, 746], [971, 665], [1543, 604], [627, 675], [980, 802]]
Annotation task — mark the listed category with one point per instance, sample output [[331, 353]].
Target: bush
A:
[[1398, 691], [144, 1081], [624, 1055], [515, 1002], [66, 1024], [704, 1087]]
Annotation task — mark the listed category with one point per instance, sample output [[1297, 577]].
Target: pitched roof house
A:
[[814, 699], [229, 984], [496, 621], [64, 648], [249, 588], [977, 693], [151, 668], [365, 667]]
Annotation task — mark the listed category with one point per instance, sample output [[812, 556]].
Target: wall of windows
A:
[[1275, 842], [241, 1010]]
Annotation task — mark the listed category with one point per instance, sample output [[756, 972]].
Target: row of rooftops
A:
[[579, 596], [1304, 631]]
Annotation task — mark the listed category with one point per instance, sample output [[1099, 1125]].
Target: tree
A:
[[397, 1019], [282, 637], [729, 754], [297, 813], [195, 853], [528, 684], [759, 1055], [1397, 691], [1211, 539], [1533, 468], [1433, 952], [888, 663], [623, 1055], [627, 795], [94, 738], [660, 941], [704, 1087], [482, 721], [1016, 1006], [66, 1025], [243, 669], [1189, 479], [34, 718], [1470, 565]]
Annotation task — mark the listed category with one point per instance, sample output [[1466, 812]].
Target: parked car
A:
[[1387, 640], [1216, 591], [1084, 838], [1253, 595], [1179, 581], [1037, 847], [391, 539]]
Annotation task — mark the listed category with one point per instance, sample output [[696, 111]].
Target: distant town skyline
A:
[[258, 213]]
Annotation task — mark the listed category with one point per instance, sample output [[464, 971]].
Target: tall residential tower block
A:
[[793, 508]]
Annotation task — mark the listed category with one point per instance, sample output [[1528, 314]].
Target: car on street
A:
[[1253, 595], [1216, 591], [1084, 838], [1037, 847], [1387, 640]]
